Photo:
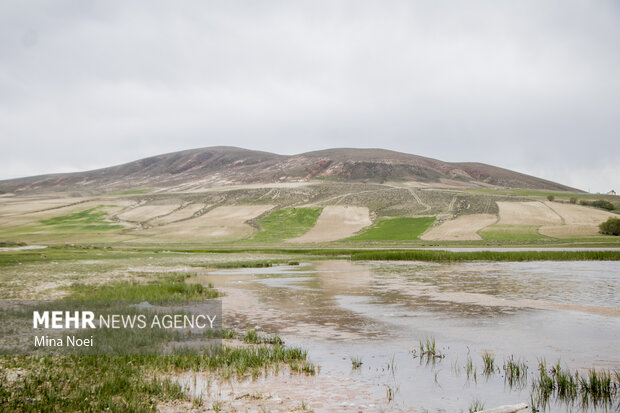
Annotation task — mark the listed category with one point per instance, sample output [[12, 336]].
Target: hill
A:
[[199, 169]]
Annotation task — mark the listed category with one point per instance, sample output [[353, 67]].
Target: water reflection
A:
[[380, 311]]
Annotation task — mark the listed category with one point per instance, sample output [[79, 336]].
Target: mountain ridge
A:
[[226, 165]]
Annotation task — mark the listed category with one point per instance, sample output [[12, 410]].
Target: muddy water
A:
[[378, 311]]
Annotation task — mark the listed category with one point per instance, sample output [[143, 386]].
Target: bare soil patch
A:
[[336, 222], [579, 214], [569, 231], [527, 213], [183, 213], [579, 221], [20, 206], [144, 213], [463, 228], [24, 248], [223, 223]]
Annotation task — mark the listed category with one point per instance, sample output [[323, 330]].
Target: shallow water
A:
[[379, 311], [23, 248]]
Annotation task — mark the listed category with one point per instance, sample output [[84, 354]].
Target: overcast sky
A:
[[532, 86]]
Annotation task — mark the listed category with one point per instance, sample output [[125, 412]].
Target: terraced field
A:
[[396, 229], [577, 221], [463, 228], [538, 220], [287, 223], [184, 212], [527, 213], [225, 223], [85, 221], [320, 212], [145, 213], [336, 222]]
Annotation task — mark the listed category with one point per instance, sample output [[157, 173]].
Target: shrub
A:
[[551, 198], [611, 226], [573, 200], [599, 203]]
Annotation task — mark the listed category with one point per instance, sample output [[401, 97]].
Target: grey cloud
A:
[[527, 85]]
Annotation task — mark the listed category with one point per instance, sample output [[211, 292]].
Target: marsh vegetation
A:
[[357, 311]]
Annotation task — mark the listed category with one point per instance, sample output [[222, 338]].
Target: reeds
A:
[[475, 406], [471, 370], [515, 372], [489, 363], [429, 351], [442, 256], [166, 287], [595, 388], [252, 337]]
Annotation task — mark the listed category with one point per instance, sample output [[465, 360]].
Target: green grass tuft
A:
[[489, 363], [515, 372], [170, 287], [475, 406], [596, 388]]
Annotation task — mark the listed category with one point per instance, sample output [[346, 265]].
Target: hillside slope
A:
[[198, 169]]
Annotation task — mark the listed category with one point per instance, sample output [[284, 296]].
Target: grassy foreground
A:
[[123, 383], [136, 383]]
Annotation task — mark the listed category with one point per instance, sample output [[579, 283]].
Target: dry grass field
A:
[[147, 212], [185, 212], [578, 221], [225, 223], [527, 213], [336, 222], [10, 206], [463, 228]]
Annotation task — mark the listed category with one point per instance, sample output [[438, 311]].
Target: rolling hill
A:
[[232, 196], [198, 169]]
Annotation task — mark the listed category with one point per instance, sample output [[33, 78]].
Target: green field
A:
[[88, 221], [93, 219], [92, 224], [287, 223], [395, 229]]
